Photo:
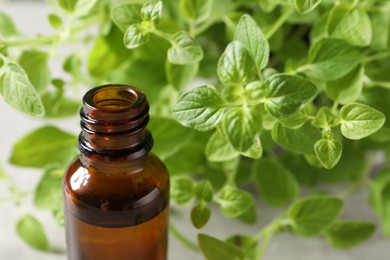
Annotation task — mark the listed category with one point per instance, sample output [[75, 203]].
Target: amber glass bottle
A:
[[116, 193]]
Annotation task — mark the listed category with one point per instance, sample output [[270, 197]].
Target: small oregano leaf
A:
[[275, 183], [32, 232], [299, 140], [328, 152], [182, 189], [306, 6], [184, 49], [287, 94], [325, 118], [350, 24], [43, 146], [200, 215], [67, 5], [200, 108], [359, 121], [196, 10], [235, 65], [255, 151], [204, 191], [135, 36], [348, 88], [180, 76], [240, 127], [251, 36], [7, 26], [125, 14], [83, 7], [331, 59], [152, 12], [219, 149], [48, 193], [313, 215], [233, 201], [55, 20], [346, 234], [215, 249], [18, 91], [35, 64]]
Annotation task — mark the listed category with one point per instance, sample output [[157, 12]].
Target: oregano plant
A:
[[274, 95]]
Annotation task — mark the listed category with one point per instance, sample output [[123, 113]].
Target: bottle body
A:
[[116, 193]]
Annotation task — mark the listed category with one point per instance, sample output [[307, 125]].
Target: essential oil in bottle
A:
[[116, 192]]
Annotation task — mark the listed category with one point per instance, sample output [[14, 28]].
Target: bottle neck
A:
[[113, 124]]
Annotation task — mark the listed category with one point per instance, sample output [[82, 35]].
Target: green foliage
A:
[[32, 232], [215, 249], [288, 90], [314, 215], [346, 234], [275, 183], [43, 146]]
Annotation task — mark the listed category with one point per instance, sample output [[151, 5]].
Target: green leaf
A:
[[166, 131], [215, 249], [35, 64], [255, 151], [306, 6], [107, 53], [313, 215], [287, 94], [55, 21], [45, 145], [359, 121], [233, 201], [7, 26], [255, 92], [300, 140], [235, 65], [346, 89], [350, 24], [48, 194], [57, 107], [152, 12], [201, 108], [275, 183], [67, 5], [331, 59], [83, 7], [325, 118], [328, 152], [18, 91], [196, 10], [204, 191], [240, 128], [218, 148], [184, 49], [180, 76], [200, 215], [248, 244], [295, 121], [124, 14], [135, 36], [32, 232], [346, 234], [182, 189], [252, 37]]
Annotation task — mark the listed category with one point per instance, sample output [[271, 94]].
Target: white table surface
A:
[[31, 19]]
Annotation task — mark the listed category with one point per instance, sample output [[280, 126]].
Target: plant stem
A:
[[278, 23], [189, 244], [48, 39], [378, 56], [166, 36]]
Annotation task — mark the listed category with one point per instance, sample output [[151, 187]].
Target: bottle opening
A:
[[114, 98]]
